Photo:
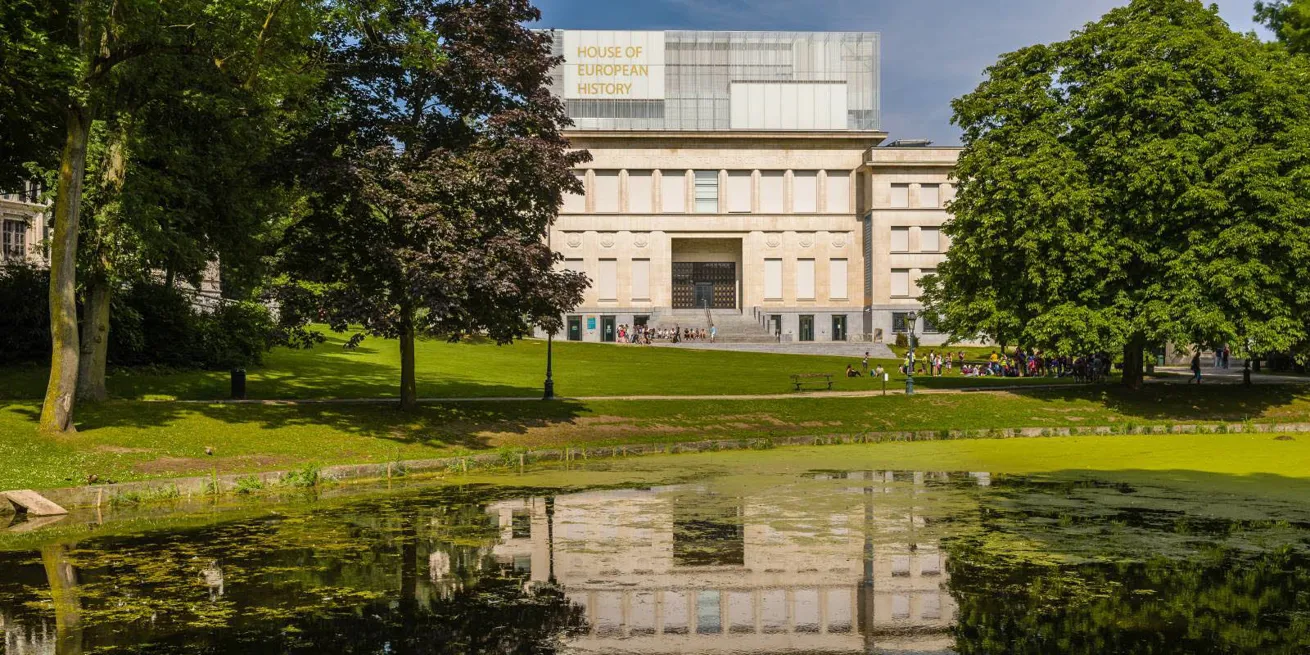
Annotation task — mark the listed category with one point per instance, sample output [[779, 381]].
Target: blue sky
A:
[[933, 50]]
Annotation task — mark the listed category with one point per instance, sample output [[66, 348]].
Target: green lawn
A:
[[484, 369], [126, 440]]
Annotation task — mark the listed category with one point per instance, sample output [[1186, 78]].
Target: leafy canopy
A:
[[1147, 180]]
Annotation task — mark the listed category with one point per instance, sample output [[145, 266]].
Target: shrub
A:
[[25, 321], [902, 341]]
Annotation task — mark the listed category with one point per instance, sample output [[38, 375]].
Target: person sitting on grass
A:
[[851, 372], [878, 371]]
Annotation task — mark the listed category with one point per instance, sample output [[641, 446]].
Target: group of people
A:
[[1034, 363], [643, 334]]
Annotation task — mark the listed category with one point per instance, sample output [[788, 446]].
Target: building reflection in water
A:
[[680, 569]]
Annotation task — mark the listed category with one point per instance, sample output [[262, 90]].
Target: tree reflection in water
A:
[[847, 562]]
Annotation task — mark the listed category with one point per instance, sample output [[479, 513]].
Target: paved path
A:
[[830, 348], [1167, 375], [1211, 375]]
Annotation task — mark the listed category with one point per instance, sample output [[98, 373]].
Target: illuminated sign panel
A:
[[613, 65]]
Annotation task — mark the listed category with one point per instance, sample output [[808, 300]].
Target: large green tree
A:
[[1289, 20], [70, 63], [1145, 181], [437, 167]]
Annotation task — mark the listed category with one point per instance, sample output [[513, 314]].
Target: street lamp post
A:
[[549, 393], [913, 318], [550, 382]]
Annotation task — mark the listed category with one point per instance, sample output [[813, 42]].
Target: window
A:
[[606, 185], [900, 283], [673, 192], [771, 185], [639, 192], [607, 280], [900, 322], [641, 279], [930, 195], [13, 241], [930, 240], [707, 192], [837, 279], [805, 192], [900, 196], [928, 326], [576, 203], [926, 271], [838, 192], [773, 279], [900, 239], [739, 192], [805, 279]]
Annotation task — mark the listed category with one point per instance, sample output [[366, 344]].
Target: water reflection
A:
[[687, 569], [827, 561]]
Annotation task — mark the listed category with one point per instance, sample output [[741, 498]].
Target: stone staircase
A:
[[733, 326]]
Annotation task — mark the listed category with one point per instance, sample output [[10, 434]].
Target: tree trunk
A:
[[95, 342], [61, 392], [62, 578], [1133, 361], [408, 385]]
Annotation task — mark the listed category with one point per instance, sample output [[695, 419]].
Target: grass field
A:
[[128, 440], [487, 370]]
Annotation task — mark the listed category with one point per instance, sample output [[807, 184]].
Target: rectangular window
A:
[[641, 279], [639, 192], [900, 239], [900, 196], [607, 280], [13, 240], [900, 322], [739, 192], [771, 186], [837, 279], [805, 192], [838, 192], [900, 283], [576, 203], [930, 195], [927, 271], [707, 192], [607, 192], [773, 279], [805, 279], [930, 240], [673, 192]]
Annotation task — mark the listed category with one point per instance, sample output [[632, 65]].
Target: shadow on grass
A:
[[444, 425], [1180, 403]]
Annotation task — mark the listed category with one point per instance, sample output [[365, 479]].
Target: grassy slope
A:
[[123, 440], [484, 369]]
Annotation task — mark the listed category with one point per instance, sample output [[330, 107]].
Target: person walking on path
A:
[[714, 333], [1196, 368]]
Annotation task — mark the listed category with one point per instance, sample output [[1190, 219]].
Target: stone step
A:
[[29, 502]]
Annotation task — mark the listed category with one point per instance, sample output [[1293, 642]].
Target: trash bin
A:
[[238, 384]]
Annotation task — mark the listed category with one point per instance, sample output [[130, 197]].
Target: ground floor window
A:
[[900, 322], [807, 327], [575, 328], [839, 328], [13, 240]]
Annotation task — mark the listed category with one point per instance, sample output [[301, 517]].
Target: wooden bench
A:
[[799, 379]]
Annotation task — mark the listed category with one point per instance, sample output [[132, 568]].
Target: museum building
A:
[[741, 178]]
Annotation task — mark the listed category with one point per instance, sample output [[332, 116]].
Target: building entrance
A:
[[704, 284]]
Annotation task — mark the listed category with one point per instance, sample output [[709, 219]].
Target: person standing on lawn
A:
[[1196, 367]]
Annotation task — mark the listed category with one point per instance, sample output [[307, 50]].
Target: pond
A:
[[765, 560]]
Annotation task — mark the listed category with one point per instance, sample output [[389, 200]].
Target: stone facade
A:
[[23, 226], [802, 220]]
